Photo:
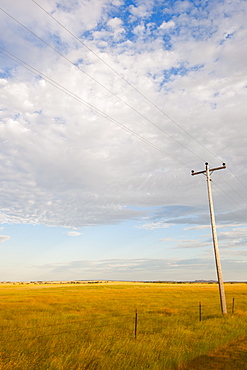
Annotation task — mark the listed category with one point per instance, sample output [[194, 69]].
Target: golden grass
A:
[[91, 325], [232, 356]]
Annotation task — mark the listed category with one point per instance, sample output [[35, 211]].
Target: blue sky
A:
[[119, 100]]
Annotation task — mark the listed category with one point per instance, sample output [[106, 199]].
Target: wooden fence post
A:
[[136, 318], [200, 311], [233, 305]]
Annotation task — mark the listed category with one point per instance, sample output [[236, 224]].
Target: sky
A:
[[105, 108]]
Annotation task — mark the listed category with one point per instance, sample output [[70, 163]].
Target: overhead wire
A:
[[239, 195], [237, 178], [96, 110], [137, 90], [125, 80], [88, 105], [100, 84], [115, 95], [226, 196], [230, 199]]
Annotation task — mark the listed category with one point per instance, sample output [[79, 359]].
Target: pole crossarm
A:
[[214, 234], [210, 169]]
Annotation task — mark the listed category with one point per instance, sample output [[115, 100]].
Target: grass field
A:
[[91, 325]]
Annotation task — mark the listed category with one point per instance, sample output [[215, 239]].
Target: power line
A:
[[239, 195], [88, 105], [96, 110], [100, 84], [137, 90], [229, 199], [126, 103], [115, 95], [126, 81], [238, 180]]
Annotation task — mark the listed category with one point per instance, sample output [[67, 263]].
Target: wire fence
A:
[[199, 312], [115, 326]]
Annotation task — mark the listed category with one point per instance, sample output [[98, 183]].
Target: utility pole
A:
[[208, 172]]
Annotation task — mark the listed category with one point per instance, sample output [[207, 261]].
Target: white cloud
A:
[[116, 26], [231, 241], [200, 227], [3, 238], [74, 233], [118, 2], [139, 11], [154, 225], [167, 25], [144, 269], [115, 23], [65, 165]]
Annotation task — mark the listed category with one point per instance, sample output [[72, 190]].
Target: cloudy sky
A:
[[106, 106]]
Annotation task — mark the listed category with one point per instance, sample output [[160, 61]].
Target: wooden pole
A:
[[136, 320], [216, 249], [214, 234]]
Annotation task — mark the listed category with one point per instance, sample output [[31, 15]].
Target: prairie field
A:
[[111, 325]]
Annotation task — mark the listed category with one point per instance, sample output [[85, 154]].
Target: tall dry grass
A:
[[91, 326]]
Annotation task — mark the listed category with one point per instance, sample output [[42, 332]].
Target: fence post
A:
[[200, 311], [233, 305], [136, 317]]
